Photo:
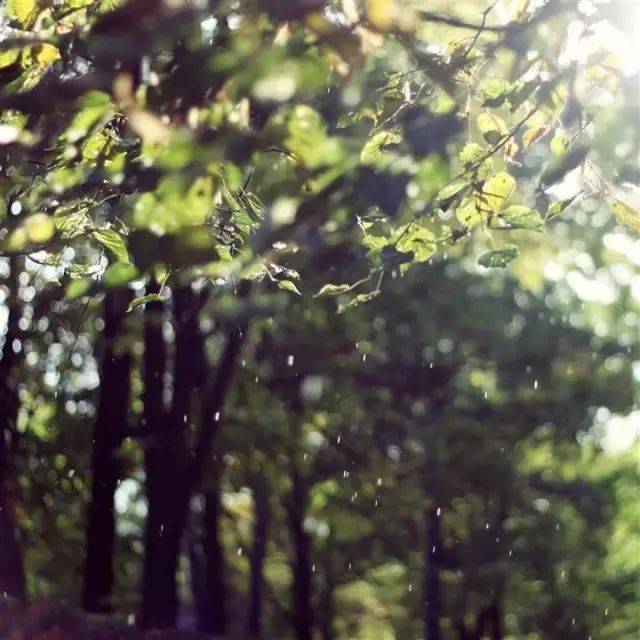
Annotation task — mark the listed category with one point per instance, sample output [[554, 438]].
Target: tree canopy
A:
[[319, 319]]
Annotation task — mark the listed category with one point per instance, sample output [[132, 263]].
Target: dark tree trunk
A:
[[495, 616], [302, 607], [328, 604], [262, 516], [173, 473], [489, 623], [166, 456], [212, 612], [432, 555], [12, 578], [110, 427], [159, 605]]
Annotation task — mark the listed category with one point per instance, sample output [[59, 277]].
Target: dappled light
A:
[[319, 319]]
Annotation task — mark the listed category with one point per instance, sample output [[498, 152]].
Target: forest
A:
[[319, 319]]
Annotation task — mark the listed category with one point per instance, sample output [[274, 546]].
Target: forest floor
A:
[[49, 621]]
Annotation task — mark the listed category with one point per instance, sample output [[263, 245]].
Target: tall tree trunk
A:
[[173, 476], [328, 603], [110, 427], [432, 555], [302, 607], [262, 515], [157, 599], [212, 612], [12, 578], [166, 458]]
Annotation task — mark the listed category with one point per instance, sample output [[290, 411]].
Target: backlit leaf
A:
[[626, 215], [113, 241], [499, 257], [521, 217], [142, 300], [287, 285], [495, 192], [40, 228], [119, 274], [333, 290]]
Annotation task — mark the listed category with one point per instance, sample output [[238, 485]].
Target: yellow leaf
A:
[[531, 136], [495, 192], [469, 215], [381, 15], [390, 15], [626, 215], [46, 54], [25, 11], [40, 228], [8, 57]]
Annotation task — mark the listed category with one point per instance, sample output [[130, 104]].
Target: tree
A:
[[237, 160], [110, 429]]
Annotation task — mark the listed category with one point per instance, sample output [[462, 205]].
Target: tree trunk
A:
[[108, 433], [12, 578], [302, 608], [262, 514], [172, 474], [432, 554], [328, 603], [212, 612], [496, 621], [166, 457], [153, 423]]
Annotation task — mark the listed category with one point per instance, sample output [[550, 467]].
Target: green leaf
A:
[[358, 300], [71, 221], [391, 257], [418, 241], [93, 107], [521, 217], [471, 153], [558, 207], [114, 242], [287, 285], [491, 127], [450, 190], [495, 93], [499, 257], [8, 57], [119, 274], [468, 213], [558, 144], [142, 300], [373, 150], [78, 288], [626, 215], [308, 140], [333, 290]]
